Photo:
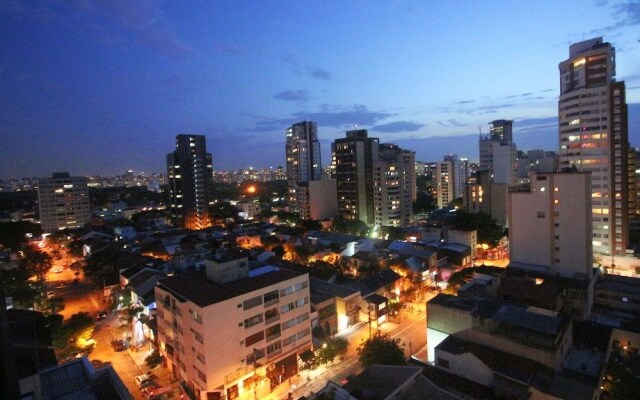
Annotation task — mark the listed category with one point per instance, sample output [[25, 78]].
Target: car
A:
[[143, 381], [57, 270], [118, 345], [101, 315], [155, 392]]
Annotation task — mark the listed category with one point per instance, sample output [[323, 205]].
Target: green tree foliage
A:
[[36, 263], [224, 210], [331, 349], [24, 293], [381, 350], [488, 231], [458, 279], [12, 234], [424, 204], [65, 334], [357, 228], [311, 225], [153, 359]]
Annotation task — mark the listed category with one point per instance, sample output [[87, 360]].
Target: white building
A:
[[451, 179], [235, 332], [592, 114], [63, 202], [550, 224]]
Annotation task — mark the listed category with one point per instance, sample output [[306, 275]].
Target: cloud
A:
[[398, 126], [451, 123], [336, 116], [320, 73], [229, 48], [465, 101], [528, 125], [292, 58], [526, 94], [626, 14], [298, 96], [147, 21]]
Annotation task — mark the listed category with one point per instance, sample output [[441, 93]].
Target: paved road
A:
[[411, 331]]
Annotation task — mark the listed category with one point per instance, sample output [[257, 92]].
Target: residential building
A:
[[535, 161], [76, 379], [550, 224], [233, 332], [592, 113], [394, 181], [320, 198], [302, 150], [353, 159], [498, 152], [190, 172], [64, 202], [451, 179], [486, 196]]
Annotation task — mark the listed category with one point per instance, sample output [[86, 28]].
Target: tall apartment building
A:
[[376, 183], [498, 152], [550, 225], [63, 202], [594, 137], [451, 179], [394, 182], [353, 159], [302, 150], [190, 172], [236, 333]]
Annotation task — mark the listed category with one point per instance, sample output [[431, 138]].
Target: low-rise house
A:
[[76, 379]]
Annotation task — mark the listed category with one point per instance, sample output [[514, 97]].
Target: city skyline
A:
[[96, 88]]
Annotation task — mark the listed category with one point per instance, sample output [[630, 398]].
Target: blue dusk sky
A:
[[98, 87]]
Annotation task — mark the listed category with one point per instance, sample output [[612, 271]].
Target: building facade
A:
[[498, 152], [63, 202], [550, 224], [302, 150], [353, 159], [190, 173], [592, 114], [236, 333], [451, 179], [394, 181]]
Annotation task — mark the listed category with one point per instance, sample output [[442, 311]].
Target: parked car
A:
[[154, 393], [118, 345], [143, 381], [101, 315]]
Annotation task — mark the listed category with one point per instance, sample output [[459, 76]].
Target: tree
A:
[[311, 225], [153, 359], [13, 234], [223, 210], [488, 231], [382, 350], [424, 203], [458, 279], [37, 263]]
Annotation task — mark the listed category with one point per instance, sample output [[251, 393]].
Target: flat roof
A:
[[195, 287]]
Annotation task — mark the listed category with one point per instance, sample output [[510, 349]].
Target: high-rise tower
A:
[[498, 152], [353, 160], [302, 150], [190, 173], [592, 114], [64, 202]]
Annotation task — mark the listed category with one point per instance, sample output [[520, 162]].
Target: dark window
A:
[[253, 339]]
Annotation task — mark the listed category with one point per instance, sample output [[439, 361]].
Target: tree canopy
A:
[[381, 350], [12, 234], [488, 231]]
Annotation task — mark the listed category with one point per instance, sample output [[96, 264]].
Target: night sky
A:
[[98, 87]]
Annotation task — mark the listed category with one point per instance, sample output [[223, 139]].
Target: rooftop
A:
[[195, 287]]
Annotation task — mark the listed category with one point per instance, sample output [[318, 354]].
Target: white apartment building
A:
[[593, 135], [451, 179], [550, 225], [234, 333], [63, 202]]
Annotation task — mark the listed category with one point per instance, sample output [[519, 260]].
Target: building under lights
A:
[[63, 202], [190, 173], [594, 137], [234, 333]]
